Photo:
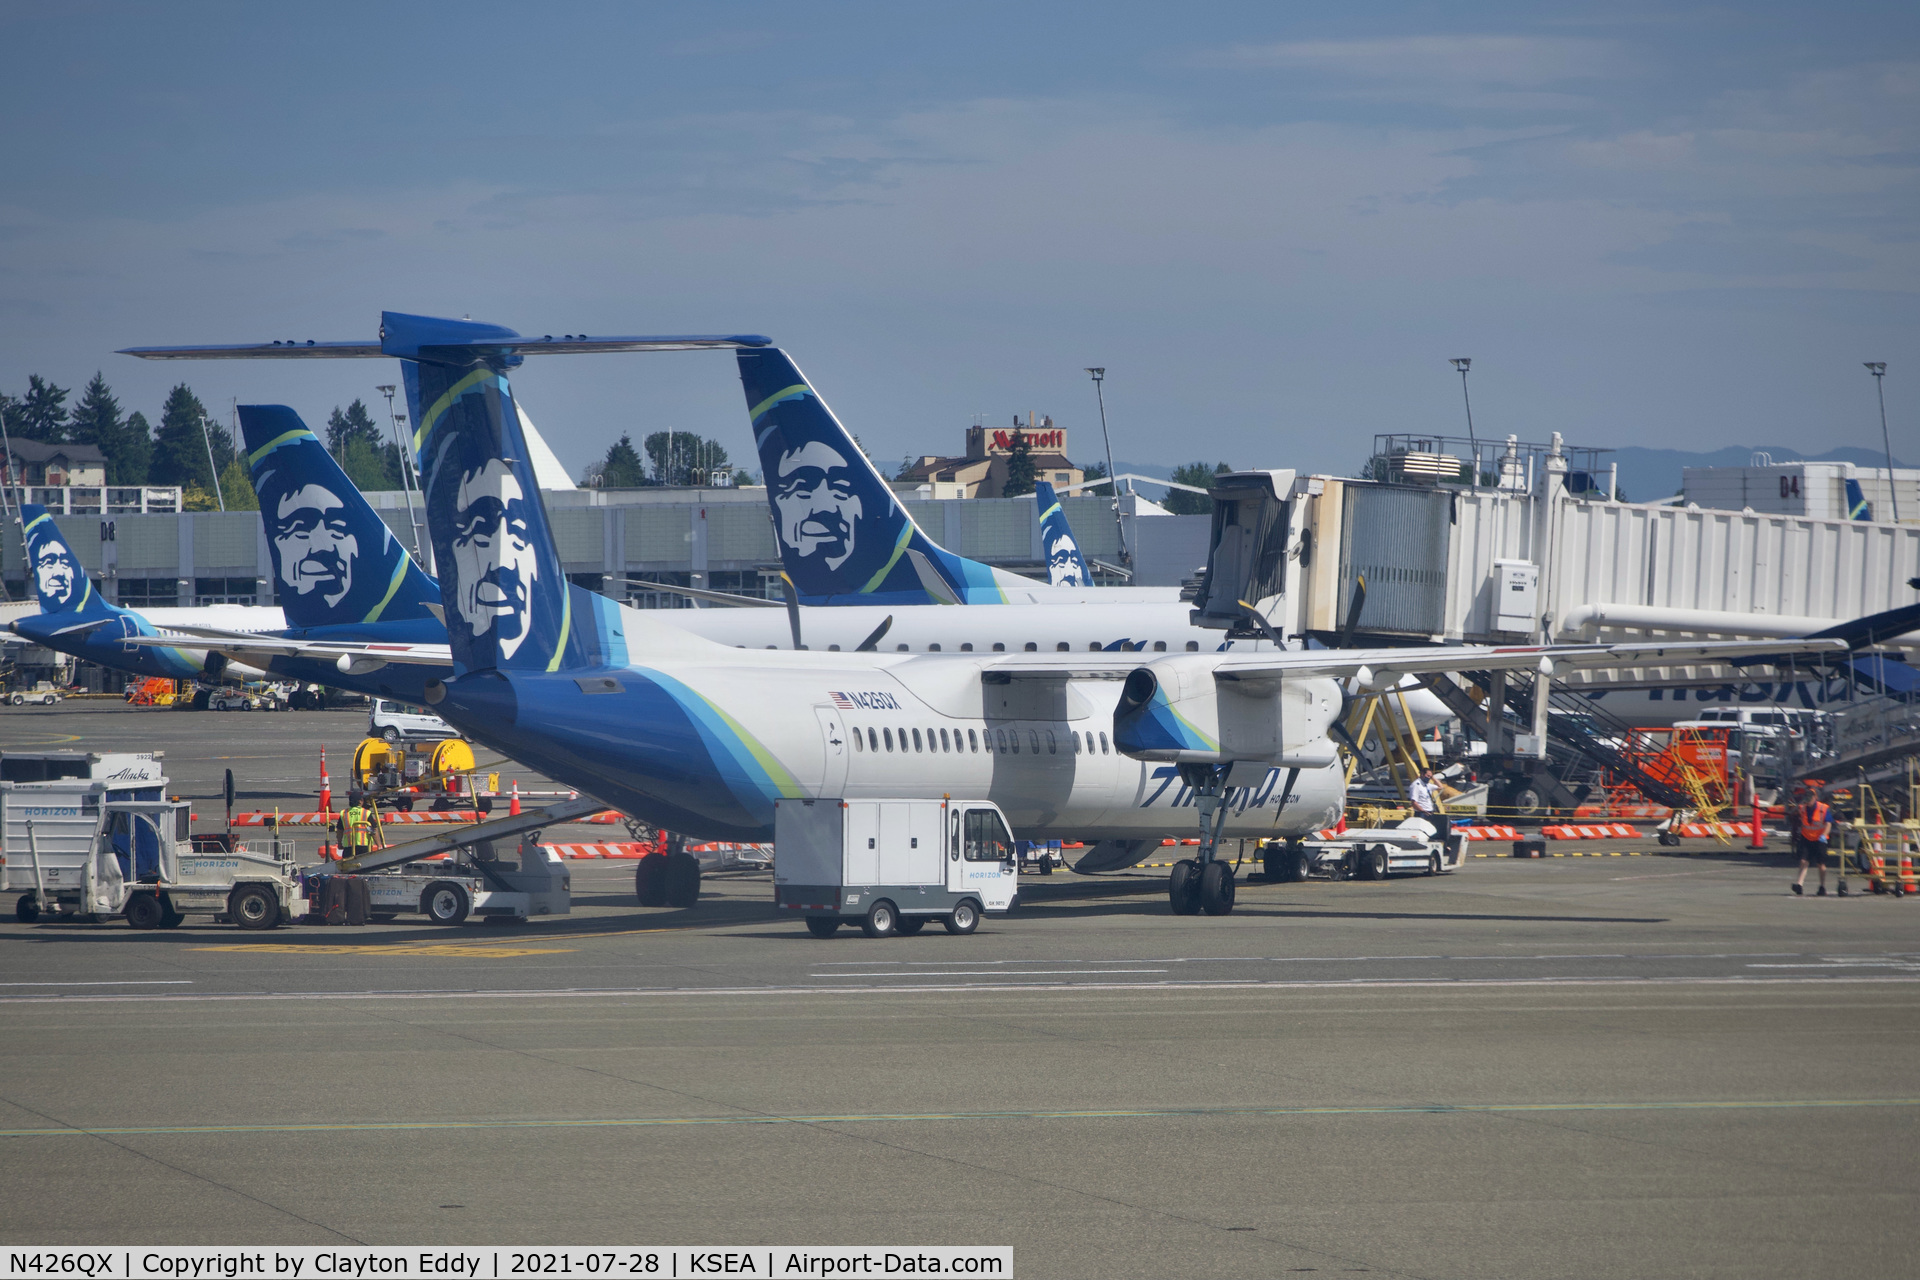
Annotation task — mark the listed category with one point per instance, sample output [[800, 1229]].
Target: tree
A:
[[1182, 503], [96, 421], [1094, 471], [180, 446], [622, 467], [678, 455], [371, 466], [41, 414], [236, 486], [354, 424], [1019, 467]]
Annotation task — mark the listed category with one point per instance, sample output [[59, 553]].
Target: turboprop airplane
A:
[[704, 739]]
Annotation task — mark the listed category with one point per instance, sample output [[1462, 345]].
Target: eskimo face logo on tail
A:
[[56, 574], [314, 543], [497, 563], [1063, 560], [819, 508]]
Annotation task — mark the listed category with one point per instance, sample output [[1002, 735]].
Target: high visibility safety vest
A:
[[1813, 820], [359, 826]]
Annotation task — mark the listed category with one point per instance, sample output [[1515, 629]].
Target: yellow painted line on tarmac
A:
[[920, 1117]]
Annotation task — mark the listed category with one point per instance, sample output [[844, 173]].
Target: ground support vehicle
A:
[[400, 721], [76, 847], [494, 871], [1414, 846], [1041, 855], [892, 865], [44, 693]]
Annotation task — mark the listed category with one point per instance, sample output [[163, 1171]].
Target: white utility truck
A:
[[72, 846], [892, 865]]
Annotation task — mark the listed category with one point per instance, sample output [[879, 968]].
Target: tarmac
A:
[[1651, 1065]]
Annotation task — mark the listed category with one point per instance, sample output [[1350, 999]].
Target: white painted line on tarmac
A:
[[628, 993], [127, 982], [982, 973]]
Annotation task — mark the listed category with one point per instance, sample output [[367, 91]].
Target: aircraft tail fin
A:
[[1858, 508], [59, 581], [334, 559], [845, 538], [507, 600], [1066, 567]]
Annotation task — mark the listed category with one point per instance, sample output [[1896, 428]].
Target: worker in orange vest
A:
[[1813, 824]]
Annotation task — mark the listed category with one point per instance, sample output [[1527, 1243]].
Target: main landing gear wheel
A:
[[822, 926], [1216, 888], [1183, 887], [964, 918], [650, 880], [682, 878], [883, 920]]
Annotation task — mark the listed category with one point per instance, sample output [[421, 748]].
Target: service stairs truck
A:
[[891, 866]]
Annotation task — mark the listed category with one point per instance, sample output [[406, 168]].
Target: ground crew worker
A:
[[1425, 795], [360, 829], [1813, 824]]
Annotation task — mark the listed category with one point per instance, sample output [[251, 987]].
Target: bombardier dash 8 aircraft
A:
[[704, 739]]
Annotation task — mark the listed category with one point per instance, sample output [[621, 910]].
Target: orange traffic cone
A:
[[513, 806], [326, 786]]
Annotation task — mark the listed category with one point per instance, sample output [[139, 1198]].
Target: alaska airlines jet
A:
[[75, 619], [703, 739]]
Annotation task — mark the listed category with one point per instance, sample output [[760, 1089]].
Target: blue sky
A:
[[1672, 225]]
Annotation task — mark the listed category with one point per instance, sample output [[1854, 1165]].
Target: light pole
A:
[[1113, 479], [1463, 363], [206, 433], [408, 480], [1878, 368]]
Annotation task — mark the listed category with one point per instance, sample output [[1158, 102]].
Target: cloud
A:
[[1413, 65]]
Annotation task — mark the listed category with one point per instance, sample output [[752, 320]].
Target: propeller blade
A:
[[872, 643], [793, 608], [1358, 603]]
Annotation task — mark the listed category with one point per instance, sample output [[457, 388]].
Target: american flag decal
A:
[[841, 700]]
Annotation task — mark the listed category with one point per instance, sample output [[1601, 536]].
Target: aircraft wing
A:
[[350, 657]]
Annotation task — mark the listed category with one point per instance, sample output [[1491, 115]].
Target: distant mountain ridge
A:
[[1648, 475]]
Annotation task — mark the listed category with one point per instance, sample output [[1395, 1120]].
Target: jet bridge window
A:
[[987, 838]]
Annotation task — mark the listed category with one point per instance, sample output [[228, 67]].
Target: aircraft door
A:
[[833, 739], [128, 630]]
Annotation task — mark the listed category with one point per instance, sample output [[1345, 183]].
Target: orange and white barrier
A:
[[1488, 833], [1592, 831], [425, 817], [1711, 830]]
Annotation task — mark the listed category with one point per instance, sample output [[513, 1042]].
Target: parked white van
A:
[[399, 721]]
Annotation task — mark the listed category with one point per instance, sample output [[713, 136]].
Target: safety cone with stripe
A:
[[513, 805], [326, 784]]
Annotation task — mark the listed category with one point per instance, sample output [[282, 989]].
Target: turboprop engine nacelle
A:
[[1177, 709]]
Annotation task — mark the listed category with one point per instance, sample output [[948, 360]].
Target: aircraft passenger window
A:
[[888, 734], [1053, 748], [1062, 647], [998, 647], [1013, 740], [1075, 735], [833, 648], [1159, 646], [859, 743], [943, 741], [1103, 744], [873, 740], [933, 648], [973, 743], [916, 739], [1033, 740], [966, 646], [1093, 646], [987, 838], [1193, 646], [1032, 647], [900, 648]]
